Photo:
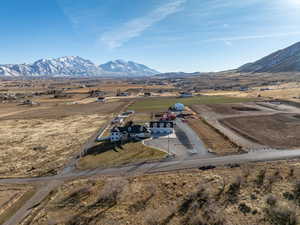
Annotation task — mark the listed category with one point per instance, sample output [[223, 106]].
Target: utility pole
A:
[[168, 144]]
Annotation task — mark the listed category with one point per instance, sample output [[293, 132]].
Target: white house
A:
[[101, 99], [162, 127], [129, 132], [116, 120], [116, 135], [186, 95]]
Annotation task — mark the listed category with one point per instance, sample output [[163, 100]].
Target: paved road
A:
[[167, 165]]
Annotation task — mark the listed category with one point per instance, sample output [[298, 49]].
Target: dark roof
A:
[[135, 129], [162, 123]]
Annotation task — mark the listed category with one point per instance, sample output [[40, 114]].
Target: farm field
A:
[[276, 131], [122, 86], [108, 155], [162, 104], [231, 109], [262, 193], [65, 110]]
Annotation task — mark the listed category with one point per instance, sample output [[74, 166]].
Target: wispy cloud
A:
[[117, 37], [249, 37]]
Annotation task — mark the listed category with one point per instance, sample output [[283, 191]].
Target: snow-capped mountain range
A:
[[285, 60], [75, 66]]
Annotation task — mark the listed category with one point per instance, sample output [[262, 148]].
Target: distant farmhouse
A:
[[120, 118], [96, 93], [123, 94], [120, 94], [101, 99], [185, 95]]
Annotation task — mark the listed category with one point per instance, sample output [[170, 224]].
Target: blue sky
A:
[[167, 35]]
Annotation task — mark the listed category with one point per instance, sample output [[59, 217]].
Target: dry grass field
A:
[[38, 147], [289, 91], [231, 109], [40, 141], [263, 193]]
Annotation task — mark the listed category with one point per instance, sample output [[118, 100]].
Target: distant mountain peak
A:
[[284, 60], [128, 67], [121, 61]]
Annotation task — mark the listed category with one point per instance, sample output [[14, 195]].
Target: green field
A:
[[163, 103]]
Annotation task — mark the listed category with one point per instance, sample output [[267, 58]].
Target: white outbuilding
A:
[[179, 107]]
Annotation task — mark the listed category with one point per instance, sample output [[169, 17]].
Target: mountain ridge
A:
[[284, 60], [74, 66]]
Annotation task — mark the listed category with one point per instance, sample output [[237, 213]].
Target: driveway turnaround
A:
[[183, 144]]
